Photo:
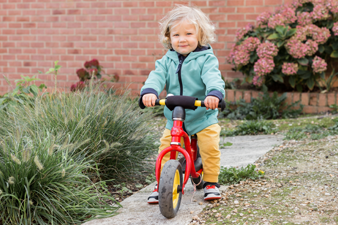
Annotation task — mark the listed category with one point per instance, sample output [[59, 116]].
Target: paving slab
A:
[[245, 150]]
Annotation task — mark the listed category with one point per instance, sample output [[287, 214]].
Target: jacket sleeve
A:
[[157, 78], [211, 75]]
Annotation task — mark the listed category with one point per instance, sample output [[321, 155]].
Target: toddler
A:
[[190, 68]]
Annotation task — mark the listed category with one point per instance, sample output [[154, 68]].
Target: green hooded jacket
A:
[[199, 75]]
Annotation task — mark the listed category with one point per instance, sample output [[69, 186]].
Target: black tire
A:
[[196, 181], [169, 196]]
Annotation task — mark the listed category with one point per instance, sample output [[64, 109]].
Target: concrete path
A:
[[245, 150]]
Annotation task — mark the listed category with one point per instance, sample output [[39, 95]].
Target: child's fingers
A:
[[149, 100]]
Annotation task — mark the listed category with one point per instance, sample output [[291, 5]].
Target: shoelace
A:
[[192, 198]]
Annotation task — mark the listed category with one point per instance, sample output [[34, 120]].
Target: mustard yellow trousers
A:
[[208, 142]]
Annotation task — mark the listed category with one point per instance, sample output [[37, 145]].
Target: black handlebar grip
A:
[[140, 103], [157, 102], [221, 104]]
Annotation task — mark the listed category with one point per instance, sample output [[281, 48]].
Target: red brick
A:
[[331, 99], [146, 4], [230, 95], [272, 2], [235, 17], [217, 17], [310, 109], [247, 96], [322, 100], [254, 2], [313, 99], [322, 109], [235, 2], [238, 95], [296, 97], [216, 3], [305, 99]]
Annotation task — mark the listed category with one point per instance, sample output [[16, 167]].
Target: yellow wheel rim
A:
[[176, 194]]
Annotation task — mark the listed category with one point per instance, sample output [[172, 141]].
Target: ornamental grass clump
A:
[[292, 46], [115, 132], [43, 179]]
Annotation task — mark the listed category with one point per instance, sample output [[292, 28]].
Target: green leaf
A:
[[306, 75], [280, 43], [335, 45], [328, 49], [291, 32], [321, 48], [277, 77], [264, 88], [227, 144], [303, 61], [273, 36], [51, 70], [26, 90], [334, 54], [34, 89], [299, 88], [310, 83], [253, 58], [42, 86], [280, 29], [292, 81]]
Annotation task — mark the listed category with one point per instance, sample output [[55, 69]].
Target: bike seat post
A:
[[177, 132]]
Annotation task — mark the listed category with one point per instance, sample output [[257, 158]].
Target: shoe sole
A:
[[212, 198], [153, 202]]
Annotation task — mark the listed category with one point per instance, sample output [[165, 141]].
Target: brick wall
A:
[[122, 35]]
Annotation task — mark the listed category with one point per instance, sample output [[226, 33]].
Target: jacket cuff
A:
[[216, 93], [149, 91]]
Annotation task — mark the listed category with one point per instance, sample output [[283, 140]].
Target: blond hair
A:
[[204, 27]]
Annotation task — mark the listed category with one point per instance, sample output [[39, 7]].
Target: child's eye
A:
[[189, 33], [175, 35]]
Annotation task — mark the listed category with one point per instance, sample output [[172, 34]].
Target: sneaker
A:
[[153, 198], [211, 191]]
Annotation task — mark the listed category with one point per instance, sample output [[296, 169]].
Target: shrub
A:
[[24, 93], [105, 122], [234, 176], [291, 46], [251, 128], [43, 180], [263, 107], [92, 71]]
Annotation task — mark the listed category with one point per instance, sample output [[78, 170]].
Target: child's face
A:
[[183, 37]]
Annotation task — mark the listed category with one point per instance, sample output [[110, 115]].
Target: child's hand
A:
[[149, 100], [211, 102]]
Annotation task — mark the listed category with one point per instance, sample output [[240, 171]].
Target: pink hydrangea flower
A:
[[319, 65], [264, 66], [230, 58], [250, 44], [267, 50], [320, 12], [257, 81], [304, 18], [289, 68], [332, 5], [300, 34], [241, 58], [263, 19], [312, 47], [322, 35], [335, 29], [243, 31], [277, 20], [289, 14], [296, 48]]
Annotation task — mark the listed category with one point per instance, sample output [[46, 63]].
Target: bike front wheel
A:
[[170, 188]]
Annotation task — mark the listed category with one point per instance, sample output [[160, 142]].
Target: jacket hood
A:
[[192, 55]]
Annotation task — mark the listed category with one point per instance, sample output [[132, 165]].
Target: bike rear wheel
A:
[[170, 188]]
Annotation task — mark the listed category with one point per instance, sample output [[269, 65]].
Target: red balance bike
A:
[[170, 182]]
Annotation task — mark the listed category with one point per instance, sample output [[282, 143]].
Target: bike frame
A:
[[189, 153]]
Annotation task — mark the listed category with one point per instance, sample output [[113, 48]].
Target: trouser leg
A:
[[208, 142]]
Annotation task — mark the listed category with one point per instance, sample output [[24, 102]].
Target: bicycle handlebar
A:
[[197, 103]]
